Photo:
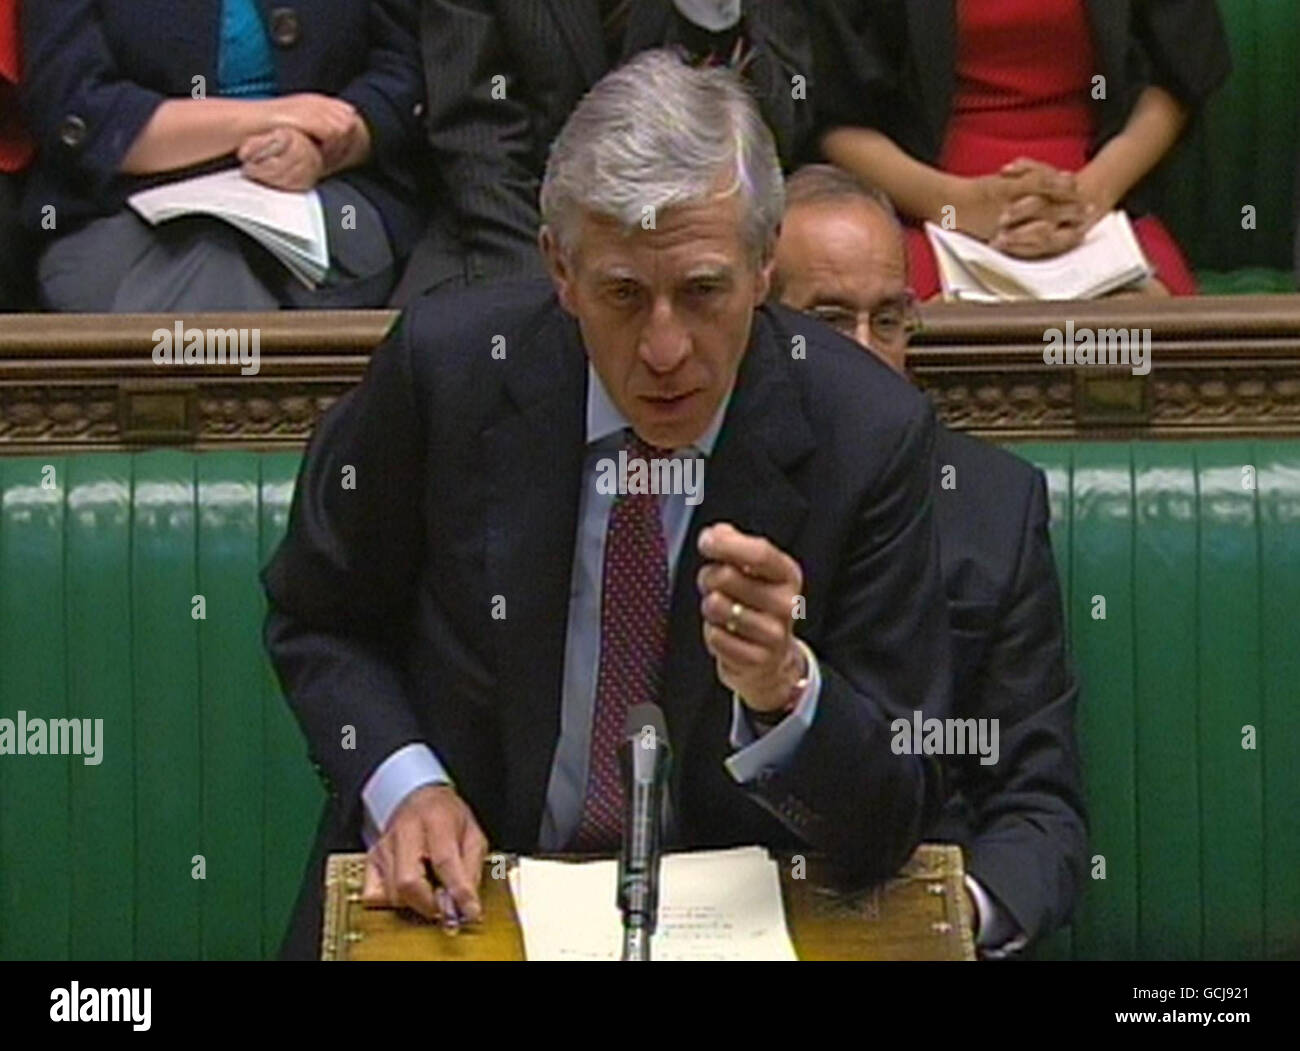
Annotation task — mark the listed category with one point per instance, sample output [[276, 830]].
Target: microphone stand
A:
[[639, 893], [644, 757]]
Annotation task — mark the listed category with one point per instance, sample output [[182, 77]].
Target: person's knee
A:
[[196, 264]]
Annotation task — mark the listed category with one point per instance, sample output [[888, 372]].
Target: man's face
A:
[[665, 314], [844, 261]]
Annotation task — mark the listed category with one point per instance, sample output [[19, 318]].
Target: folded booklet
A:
[[713, 905], [291, 226], [1108, 259]]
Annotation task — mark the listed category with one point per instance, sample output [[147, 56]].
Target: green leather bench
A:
[[1243, 152], [99, 567]]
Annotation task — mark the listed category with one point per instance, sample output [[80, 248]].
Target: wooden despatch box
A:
[[921, 914]]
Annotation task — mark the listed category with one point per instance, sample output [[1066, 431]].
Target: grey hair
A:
[[825, 182], [657, 133]]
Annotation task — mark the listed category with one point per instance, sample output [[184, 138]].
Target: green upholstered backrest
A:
[[1243, 152], [1246, 281], [100, 561], [201, 755], [1200, 574]]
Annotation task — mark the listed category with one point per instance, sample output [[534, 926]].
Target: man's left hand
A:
[[749, 589]]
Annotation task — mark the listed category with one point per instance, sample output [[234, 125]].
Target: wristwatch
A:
[[775, 715]]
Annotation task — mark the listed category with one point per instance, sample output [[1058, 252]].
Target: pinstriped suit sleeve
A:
[[483, 145], [780, 49]]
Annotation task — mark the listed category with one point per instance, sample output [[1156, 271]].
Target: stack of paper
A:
[[1108, 259], [291, 226], [713, 905]]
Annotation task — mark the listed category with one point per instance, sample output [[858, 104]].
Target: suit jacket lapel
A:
[[932, 37], [533, 458], [579, 22], [747, 483]]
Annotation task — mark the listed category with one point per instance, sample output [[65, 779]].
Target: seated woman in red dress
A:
[[1021, 121]]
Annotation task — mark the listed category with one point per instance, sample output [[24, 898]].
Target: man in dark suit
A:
[[1020, 819], [475, 586], [504, 75]]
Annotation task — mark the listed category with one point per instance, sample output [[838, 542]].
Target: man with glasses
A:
[[841, 258], [1020, 819]]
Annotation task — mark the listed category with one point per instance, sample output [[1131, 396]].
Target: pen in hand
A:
[[451, 919], [449, 916]]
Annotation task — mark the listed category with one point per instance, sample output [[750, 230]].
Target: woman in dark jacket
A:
[[1022, 121], [123, 94]]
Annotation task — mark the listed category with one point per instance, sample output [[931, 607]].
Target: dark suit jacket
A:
[[490, 153], [468, 471], [1297, 219], [15, 255], [95, 71], [1022, 820], [891, 64]]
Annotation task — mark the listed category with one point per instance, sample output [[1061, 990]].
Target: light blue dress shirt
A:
[[415, 765]]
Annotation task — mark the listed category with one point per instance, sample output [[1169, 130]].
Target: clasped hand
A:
[[312, 136], [1030, 209]]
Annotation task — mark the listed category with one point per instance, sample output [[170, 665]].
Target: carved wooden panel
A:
[[1220, 367]]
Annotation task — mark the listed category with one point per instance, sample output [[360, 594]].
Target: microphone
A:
[[644, 758]]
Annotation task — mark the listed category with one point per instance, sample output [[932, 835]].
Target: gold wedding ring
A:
[[734, 618]]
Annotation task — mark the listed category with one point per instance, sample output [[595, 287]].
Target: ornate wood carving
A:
[[1221, 367]]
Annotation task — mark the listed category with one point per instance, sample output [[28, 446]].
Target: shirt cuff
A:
[[412, 766], [996, 933], [774, 749]]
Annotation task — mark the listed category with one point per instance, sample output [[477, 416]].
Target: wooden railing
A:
[[1219, 367]]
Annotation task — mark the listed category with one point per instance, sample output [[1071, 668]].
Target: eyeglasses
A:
[[889, 322]]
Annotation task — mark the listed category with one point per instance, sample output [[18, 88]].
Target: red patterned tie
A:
[[633, 643]]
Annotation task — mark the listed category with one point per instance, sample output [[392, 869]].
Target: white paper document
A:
[[713, 905], [1108, 259], [291, 226]]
